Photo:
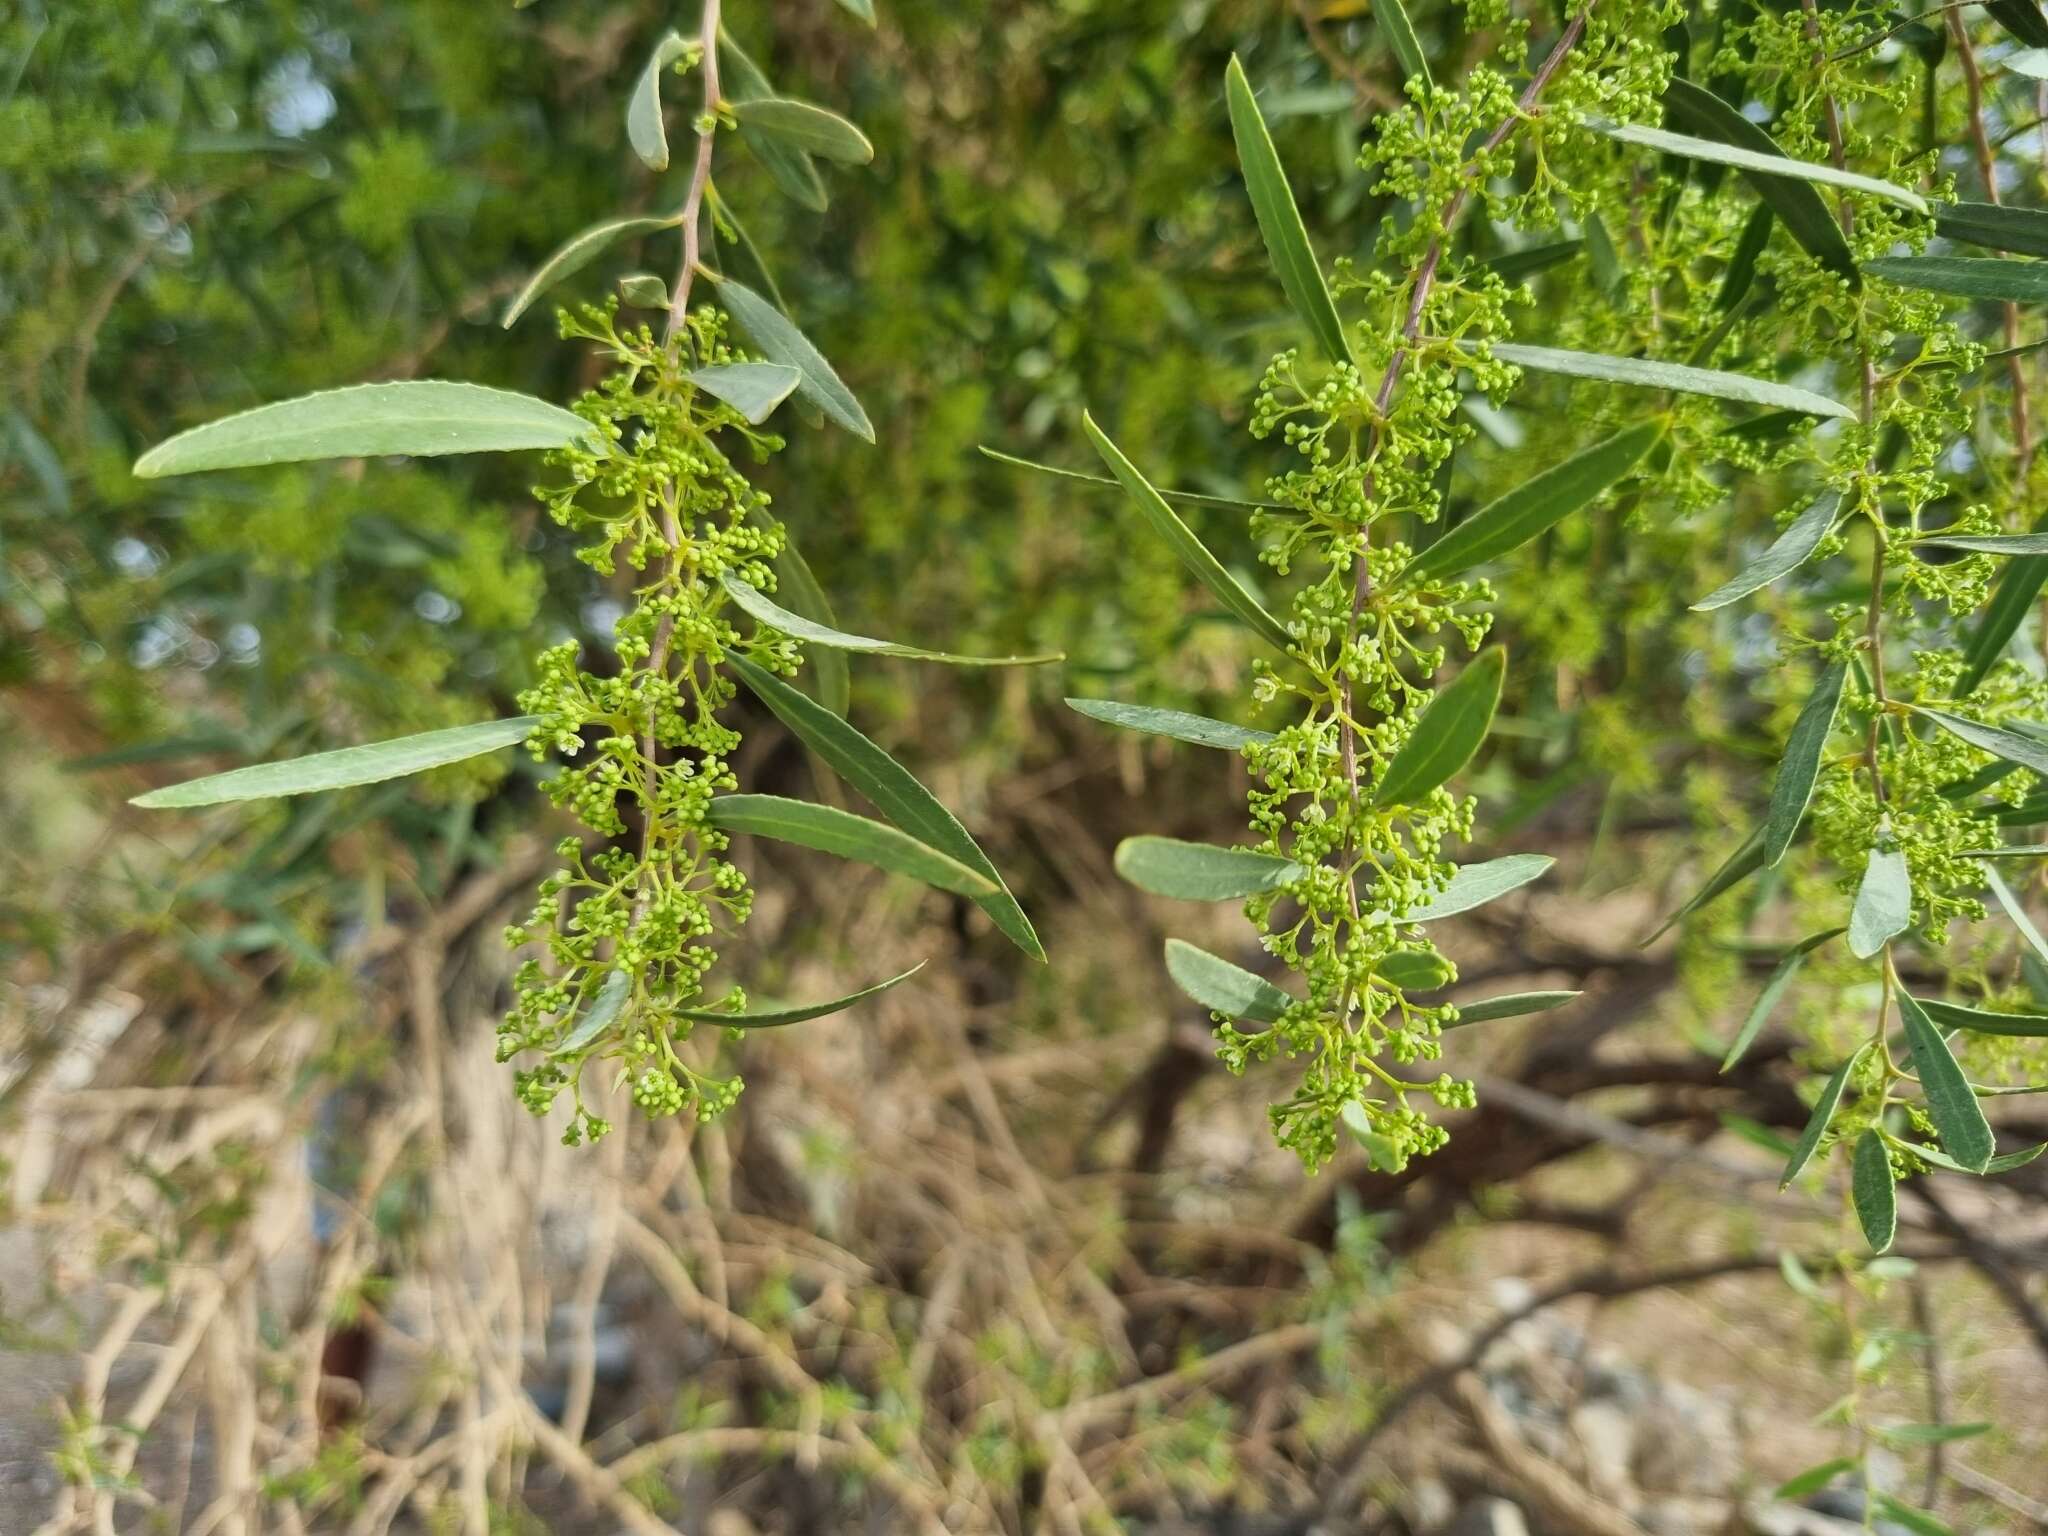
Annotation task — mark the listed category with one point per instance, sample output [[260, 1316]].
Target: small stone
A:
[[1606, 1433]]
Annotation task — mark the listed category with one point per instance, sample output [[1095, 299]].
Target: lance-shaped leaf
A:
[[1774, 988], [785, 344], [1792, 790], [578, 252], [830, 830], [1193, 553], [752, 389], [1197, 730], [1984, 1021], [1223, 988], [1745, 861], [863, 10], [603, 1012], [2027, 751], [1884, 901], [645, 130], [1814, 1478], [1740, 275], [805, 127], [1994, 226], [1301, 275], [1474, 885], [1509, 1005], [1872, 1191], [889, 786], [1166, 866], [1823, 1114], [344, 768], [1402, 41], [791, 169], [1530, 260], [807, 597], [1966, 277], [769, 1018], [2022, 18], [1448, 733], [419, 417], [775, 616], [1196, 498], [1760, 163], [1957, 1116], [1535, 505], [1988, 543], [2016, 913], [2005, 1162], [1787, 552], [1897, 1511], [2011, 600], [1684, 379]]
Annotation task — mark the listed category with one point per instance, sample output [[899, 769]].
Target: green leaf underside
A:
[[1194, 497], [1448, 733], [2016, 913], [2011, 600], [1966, 277], [645, 130], [418, 417], [830, 830], [643, 290], [1817, 1123], [1957, 1116], [1983, 1020], [1474, 885], [1402, 41], [1193, 554], [1884, 903], [1223, 988], [1745, 861], [766, 610], [1774, 163], [1197, 730], [1918, 1521], [1932, 1434], [770, 1018], [809, 129], [1774, 988], [604, 1011], [889, 786], [1681, 377], [1166, 866], [1988, 543], [1509, 1005], [1301, 275], [1800, 768], [1788, 551], [800, 586], [784, 343], [752, 389], [1815, 1478], [1872, 1191], [1535, 505], [578, 252], [345, 767], [790, 168], [1994, 226], [2027, 751]]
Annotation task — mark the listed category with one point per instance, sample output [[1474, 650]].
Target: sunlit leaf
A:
[[1687, 380], [1760, 163], [345, 767], [1474, 885], [785, 344], [1790, 550], [1957, 1116], [1223, 988], [1449, 731], [1884, 902], [1509, 1005], [752, 389], [830, 830], [805, 127], [1166, 866], [1198, 730], [775, 616], [578, 252]]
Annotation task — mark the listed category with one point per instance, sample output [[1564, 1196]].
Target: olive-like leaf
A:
[[1958, 1117], [1988, 543], [1740, 275], [1896, 1510], [802, 126], [1681, 377], [1166, 866], [1966, 277], [1774, 988], [1197, 730], [1993, 225], [603, 1012], [830, 830], [890, 787], [1984, 1021], [1873, 1193], [645, 130], [1745, 861], [1532, 259], [790, 168], [770, 1018], [1823, 1113], [643, 290], [1449, 731], [2022, 18], [1787, 552], [1537, 504], [784, 343], [1301, 275], [752, 389], [2011, 600], [2016, 913], [2005, 1162], [2027, 751], [1792, 790], [1474, 885], [1762, 163], [1402, 41], [775, 616], [807, 597], [1415, 970], [1196, 497], [345, 767], [1884, 902], [1509, 1005], [1223, 988], [578, 252], [1193, 554], [1814, 1478], [420, 417]]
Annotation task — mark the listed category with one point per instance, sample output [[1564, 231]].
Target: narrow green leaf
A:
[[1793, 788], [1535, 505], [1994, 226], [1194, 497], [1450, 730], [2031, 62], [834, 831], [1918, 1521], [604, 1011], [1815, 1478], [2030, 851], [1675, 376], [770, 1018], [1166, 866], [2027, 751], [1740, 275], [1509, 1005], [1193, 553], [889, 786], [1872, 1191], [1745, 861], [1884, 901], [1602, 257], [2007, 1162], [344, 768], [863, 10], [2011, 600], [790, 168], [1760, 163], [1532, 259], [2022, 18], [807, 597], [1198, 730], [1774, 988], [1983, 1020], [804, 127], [767, 611], [2016, 913], [1474, 885], [645, 130], [1817, 1123], [1402, 41], [578, 252], [1301, 275], [1988, 543], [1958, 1118], [787, 345], [421, 417], [1932, 1434], [1789, 551], [1966, 277], [752, 389], [1223, 988]]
